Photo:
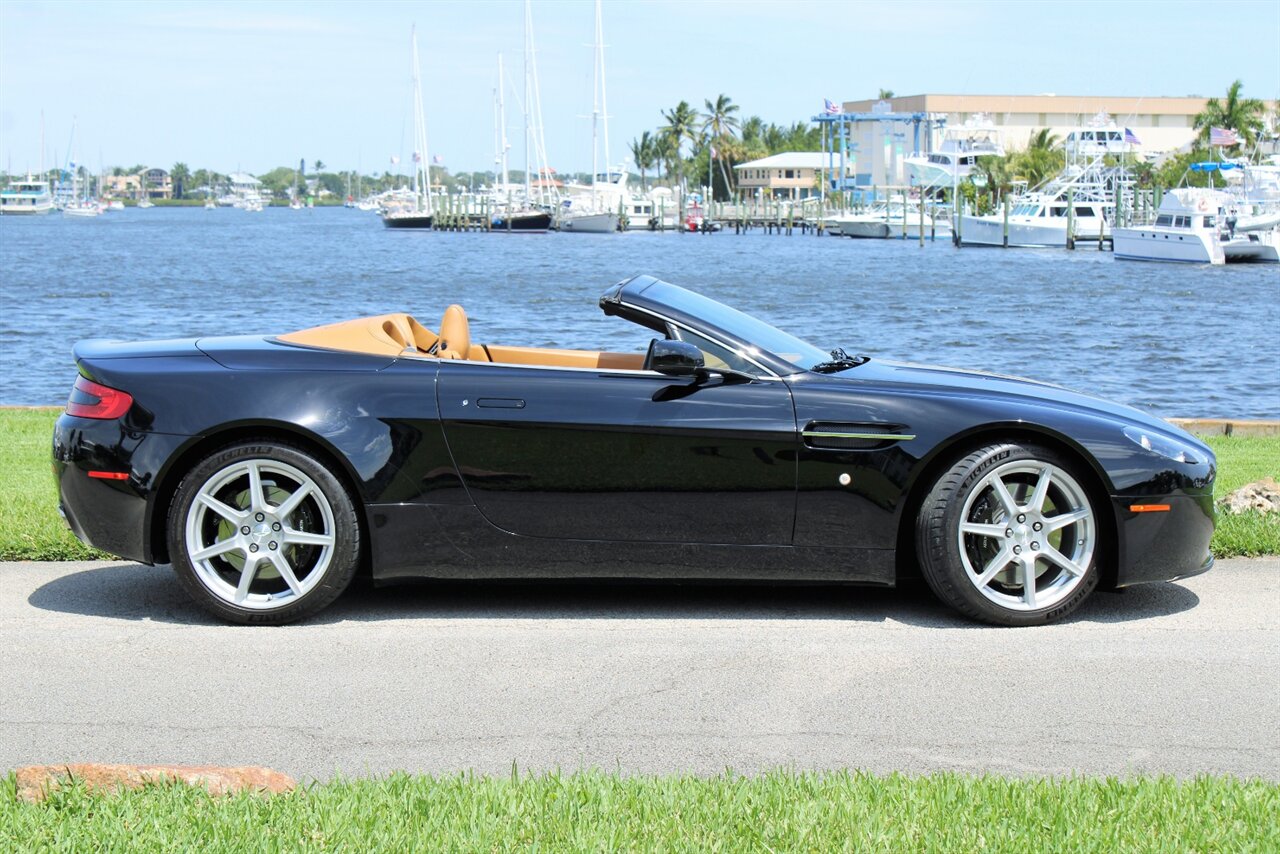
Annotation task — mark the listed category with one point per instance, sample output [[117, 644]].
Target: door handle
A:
[[500, 402]]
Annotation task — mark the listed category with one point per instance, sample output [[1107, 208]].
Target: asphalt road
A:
[[109, 662]]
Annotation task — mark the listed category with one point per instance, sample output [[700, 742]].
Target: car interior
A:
[[399, 335]]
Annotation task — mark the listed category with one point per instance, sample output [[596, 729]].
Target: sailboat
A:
[[600, 215], [417, 212], [295, 202], [144, 196], [515, 217]]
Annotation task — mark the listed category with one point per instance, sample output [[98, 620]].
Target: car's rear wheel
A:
[[263, 532], [1009, 535]]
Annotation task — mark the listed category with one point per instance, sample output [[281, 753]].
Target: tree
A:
[[644, 151], [885, 94], [680, 125], [1242, 115], [720, 124], [1043, 140], [319, 167], [181, 176]]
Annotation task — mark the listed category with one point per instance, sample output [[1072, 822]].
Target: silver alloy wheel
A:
[[1027, 535], [260, 534]]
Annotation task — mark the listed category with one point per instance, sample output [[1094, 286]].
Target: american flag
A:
[[1131, 138], [830, 106], [417, 157], [437, 159], [1222, 136]]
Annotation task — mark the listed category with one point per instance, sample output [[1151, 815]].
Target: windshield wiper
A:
[[840, 360]]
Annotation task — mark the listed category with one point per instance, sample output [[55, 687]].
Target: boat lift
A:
[[836, 140]]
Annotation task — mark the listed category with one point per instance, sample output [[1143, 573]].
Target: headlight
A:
[[1163, 446]]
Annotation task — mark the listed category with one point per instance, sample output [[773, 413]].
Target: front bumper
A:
[[1163, 546]]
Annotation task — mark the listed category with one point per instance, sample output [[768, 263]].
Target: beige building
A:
[[790, 175], [878, 147]]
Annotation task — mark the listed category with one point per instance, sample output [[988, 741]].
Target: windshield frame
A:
[[639, 296]]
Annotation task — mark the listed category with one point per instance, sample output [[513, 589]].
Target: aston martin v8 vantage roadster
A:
[[270, 470]]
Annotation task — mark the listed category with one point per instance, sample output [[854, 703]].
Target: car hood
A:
[[971, 383]]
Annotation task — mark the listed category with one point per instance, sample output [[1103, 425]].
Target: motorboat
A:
[[889, 220], [1187, 228], [26, 198], [957, 154], [1078, 203]]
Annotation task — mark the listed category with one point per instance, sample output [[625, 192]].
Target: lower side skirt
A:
[[451, 541]]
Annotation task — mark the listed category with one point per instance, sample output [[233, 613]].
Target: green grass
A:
[[32, 529], [1241, 460], [779, 811]]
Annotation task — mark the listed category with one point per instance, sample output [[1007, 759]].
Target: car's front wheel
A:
[[1009, 535], [263, 532]]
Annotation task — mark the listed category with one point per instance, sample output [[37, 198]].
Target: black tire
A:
[[1065, 559], [317, 509]]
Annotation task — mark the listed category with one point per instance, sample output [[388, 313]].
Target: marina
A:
[[1173, 339]]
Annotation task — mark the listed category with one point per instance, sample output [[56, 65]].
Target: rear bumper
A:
[[1164, 546], [111, 515]]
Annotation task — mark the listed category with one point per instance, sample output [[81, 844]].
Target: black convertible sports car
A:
[[269, 471]]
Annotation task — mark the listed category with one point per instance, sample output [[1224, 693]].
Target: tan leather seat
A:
[[455, 334]]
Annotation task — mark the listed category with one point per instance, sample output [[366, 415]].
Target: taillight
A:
[[94, 400]]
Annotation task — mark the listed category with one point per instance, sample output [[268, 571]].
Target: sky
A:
[[254, 85]]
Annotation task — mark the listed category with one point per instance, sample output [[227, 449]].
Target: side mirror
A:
[[673, 358]]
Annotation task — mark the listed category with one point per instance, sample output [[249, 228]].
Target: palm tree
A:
[[719, 122], [644, 151], [1242, 115], [1043, 140], [885, 94], [679, 127], [180, 175]]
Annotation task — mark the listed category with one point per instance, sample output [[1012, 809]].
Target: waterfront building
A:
[[158, 184], [790, 175], [878, 149], [244, 185]]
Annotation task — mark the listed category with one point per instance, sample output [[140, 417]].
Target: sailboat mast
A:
[[604, 103], [528, 135], [421, 156], [502, 130], [595, 116], [546, 194]]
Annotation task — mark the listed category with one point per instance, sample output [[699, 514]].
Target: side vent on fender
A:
[[853, 436]]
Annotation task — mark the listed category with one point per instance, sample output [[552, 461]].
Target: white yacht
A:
[[1186, 228], [26, 198], [1079, 199], [886, 220], [957, 154]]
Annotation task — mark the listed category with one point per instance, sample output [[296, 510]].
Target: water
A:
[[1177, 340]]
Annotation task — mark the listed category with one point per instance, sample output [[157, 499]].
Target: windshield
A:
[[744, 327]]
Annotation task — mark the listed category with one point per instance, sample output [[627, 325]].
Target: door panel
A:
[[857, 457], [580, 454]]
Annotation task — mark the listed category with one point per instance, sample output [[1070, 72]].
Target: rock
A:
[[1262, 495], [35, 782]]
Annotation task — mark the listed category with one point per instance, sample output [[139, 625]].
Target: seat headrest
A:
[[455, 334]]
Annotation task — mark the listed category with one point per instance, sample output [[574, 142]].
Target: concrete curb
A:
[[1227, 426]]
